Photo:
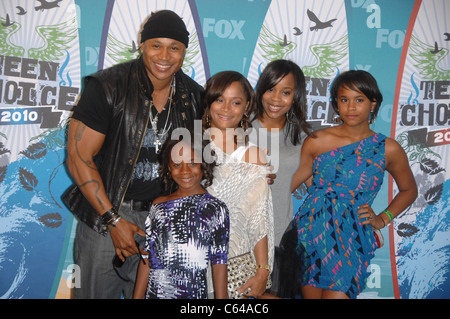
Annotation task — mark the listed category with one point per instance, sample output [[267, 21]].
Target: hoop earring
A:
[[290, 118]]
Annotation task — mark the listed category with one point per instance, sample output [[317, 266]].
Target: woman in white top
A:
[[240, 178]]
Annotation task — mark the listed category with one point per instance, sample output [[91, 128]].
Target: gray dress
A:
[[285, 159]]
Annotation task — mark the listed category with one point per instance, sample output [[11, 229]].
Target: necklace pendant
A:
[[157, 145]]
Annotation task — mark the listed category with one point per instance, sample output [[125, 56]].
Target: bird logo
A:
[[328, 55], [319, 24], [428, 59], [56, 39], [46, 5]]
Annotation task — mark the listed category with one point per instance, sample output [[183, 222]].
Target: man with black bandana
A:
[[123, 116]]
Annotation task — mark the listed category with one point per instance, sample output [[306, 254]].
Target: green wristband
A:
[[389, 214]]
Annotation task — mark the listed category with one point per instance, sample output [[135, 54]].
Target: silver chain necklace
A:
[[154, 120]]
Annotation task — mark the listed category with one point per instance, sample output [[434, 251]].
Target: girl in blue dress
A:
[[336, 225], [186, 230]]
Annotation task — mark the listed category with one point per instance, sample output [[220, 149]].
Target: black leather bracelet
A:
[[109, 216]]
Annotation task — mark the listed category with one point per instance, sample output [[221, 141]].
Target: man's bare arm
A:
[[83, 144]]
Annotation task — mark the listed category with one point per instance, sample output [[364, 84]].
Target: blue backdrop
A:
[[47, 48]]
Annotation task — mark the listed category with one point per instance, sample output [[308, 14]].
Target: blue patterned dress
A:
[[183, 236], [334, 245]]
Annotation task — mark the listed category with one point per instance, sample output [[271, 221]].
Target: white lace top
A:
[[244, 189]]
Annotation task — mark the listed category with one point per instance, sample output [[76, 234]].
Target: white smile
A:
[[162, 67], [274, 108], [225, 117]]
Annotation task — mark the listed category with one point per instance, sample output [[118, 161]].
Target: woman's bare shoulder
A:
[[255, 155], [321, 140]]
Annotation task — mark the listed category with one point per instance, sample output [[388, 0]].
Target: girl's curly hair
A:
[[207, 164]]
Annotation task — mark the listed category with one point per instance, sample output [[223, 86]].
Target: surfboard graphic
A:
[[121, 37], [420, 250], [39, 84], [314, 35]]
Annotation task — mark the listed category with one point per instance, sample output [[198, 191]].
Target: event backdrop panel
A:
[[47, 47]]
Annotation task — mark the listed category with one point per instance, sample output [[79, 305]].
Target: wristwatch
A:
[[266, 267]]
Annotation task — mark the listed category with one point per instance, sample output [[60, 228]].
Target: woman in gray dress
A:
[[279, 126]]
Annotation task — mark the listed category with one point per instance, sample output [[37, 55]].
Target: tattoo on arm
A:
[[79, 132], [97, 183]]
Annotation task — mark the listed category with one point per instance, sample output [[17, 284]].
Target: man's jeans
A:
[[94, 254]]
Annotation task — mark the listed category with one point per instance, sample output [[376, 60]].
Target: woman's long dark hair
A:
[[296, 117]]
